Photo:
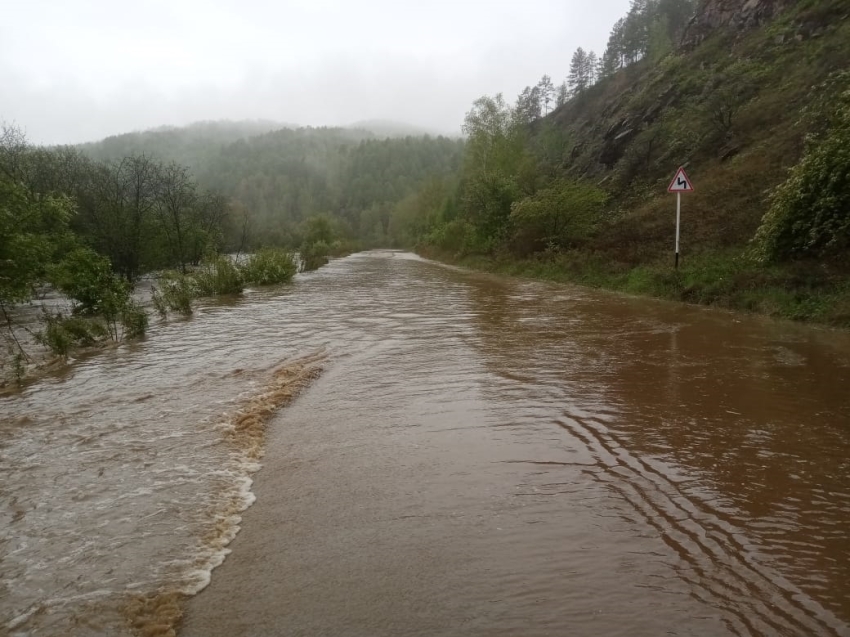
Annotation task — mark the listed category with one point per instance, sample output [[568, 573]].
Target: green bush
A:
[[314, 255], [62, 333], [452, 237], [556, 217], [809, 215], [134, 320], [269, 266], [218, 275], [173, 294], [86, 277]]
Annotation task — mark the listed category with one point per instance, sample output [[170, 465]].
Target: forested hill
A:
[[187, 145], [284, 177], [278, 176]]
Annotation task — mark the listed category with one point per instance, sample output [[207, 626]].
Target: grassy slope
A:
[[763, 78]]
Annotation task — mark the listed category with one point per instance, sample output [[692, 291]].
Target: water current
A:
[[480, 456]]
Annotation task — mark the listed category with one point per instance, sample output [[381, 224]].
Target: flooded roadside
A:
[[480, 456], [523, 458]]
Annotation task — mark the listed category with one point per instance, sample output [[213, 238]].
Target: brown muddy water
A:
[[480, 456]]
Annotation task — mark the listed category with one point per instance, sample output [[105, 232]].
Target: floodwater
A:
[[480, 456]]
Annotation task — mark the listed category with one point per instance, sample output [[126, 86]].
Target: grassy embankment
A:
[[801, 293]]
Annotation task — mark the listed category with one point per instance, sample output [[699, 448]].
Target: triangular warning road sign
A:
[[681, 182]]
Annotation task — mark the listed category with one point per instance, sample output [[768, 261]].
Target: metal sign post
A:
[[681, 183]]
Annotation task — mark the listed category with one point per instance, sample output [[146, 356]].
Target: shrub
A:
[[86, 277], [809, 214], [269, 266], [173, 294], [558, 216], [314, 255], [134, 321], [453, 237], [62, 333], [218, 275]]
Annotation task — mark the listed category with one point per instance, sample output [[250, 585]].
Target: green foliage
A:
[[173, 293], [218, 275], [318, 229], [86, 277], [314, 255], [62, 333], [19, 366], [32, 230], [558, 216], [454, 237], [269, 266], [809, 215], [134, 320], [495, 136]]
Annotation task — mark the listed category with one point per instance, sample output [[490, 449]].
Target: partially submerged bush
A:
[[133, 321], [63, 333], [173, 294], [86, 278], [314, 255], [269, 266], [103, 307], [218, 275]]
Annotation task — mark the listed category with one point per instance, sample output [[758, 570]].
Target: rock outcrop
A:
[[737, 15]]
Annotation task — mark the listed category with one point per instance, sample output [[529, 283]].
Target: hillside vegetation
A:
[[751, 91]]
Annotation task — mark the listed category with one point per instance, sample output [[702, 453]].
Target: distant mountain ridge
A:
[[390, 128]]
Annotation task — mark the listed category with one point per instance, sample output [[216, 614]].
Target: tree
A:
[[175, 207], [659, 42], [579, 78], [547, 92], [635, 35], [33, 232], [493, 137], [592, 68], [563, 94], [529, 105], [608, 65], [614, 57]]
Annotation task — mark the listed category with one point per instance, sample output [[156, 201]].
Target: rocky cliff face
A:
[[738, 15]]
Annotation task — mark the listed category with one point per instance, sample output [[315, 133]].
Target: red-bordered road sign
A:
[[681, 182]]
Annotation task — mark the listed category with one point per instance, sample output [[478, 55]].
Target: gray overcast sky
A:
[[79, 70]]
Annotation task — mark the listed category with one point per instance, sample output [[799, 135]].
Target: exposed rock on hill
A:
[[740, 15]]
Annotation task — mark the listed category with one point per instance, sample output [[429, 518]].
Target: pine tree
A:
[[547, 92], [528, 105], [608, 65], [614, 56], [592, 67], [563, 94], [578, 79], [636, 31]]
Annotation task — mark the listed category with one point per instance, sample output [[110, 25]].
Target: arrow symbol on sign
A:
[[681, 182]]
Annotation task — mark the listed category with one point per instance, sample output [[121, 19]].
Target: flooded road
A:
[[480, 456]]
